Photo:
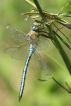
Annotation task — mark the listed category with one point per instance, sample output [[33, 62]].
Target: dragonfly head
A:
[[35, 26]]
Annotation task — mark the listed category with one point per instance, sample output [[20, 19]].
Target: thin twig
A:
[[61, 85]]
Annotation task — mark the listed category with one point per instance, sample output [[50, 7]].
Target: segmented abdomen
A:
[[25, 71]]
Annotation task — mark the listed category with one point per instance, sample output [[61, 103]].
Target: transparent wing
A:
[[43, 43], [40, 61], [18, 52], [17, 35]]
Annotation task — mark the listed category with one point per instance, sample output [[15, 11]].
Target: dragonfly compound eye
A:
[[34, 28]]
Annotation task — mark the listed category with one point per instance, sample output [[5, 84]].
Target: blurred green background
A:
[[36, 93]]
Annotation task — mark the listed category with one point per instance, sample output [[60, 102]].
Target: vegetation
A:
[[57, 56]]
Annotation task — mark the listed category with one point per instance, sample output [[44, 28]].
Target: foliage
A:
[[36, 92]]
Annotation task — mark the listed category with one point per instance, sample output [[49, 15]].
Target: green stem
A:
[[61, 85], [55, 40], [39, 9]]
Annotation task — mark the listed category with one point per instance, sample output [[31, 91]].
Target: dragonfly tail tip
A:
[[19, 99]]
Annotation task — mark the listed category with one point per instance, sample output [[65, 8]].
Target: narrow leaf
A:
[[63, 54], [65, 14]]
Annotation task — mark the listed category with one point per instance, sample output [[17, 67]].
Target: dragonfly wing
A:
[[16, 34], [43, 43], [18, 52], [40, 61]]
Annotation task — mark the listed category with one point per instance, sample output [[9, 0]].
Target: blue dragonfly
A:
[[32, 42]]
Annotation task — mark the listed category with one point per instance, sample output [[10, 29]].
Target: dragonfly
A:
[[32, 42]]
